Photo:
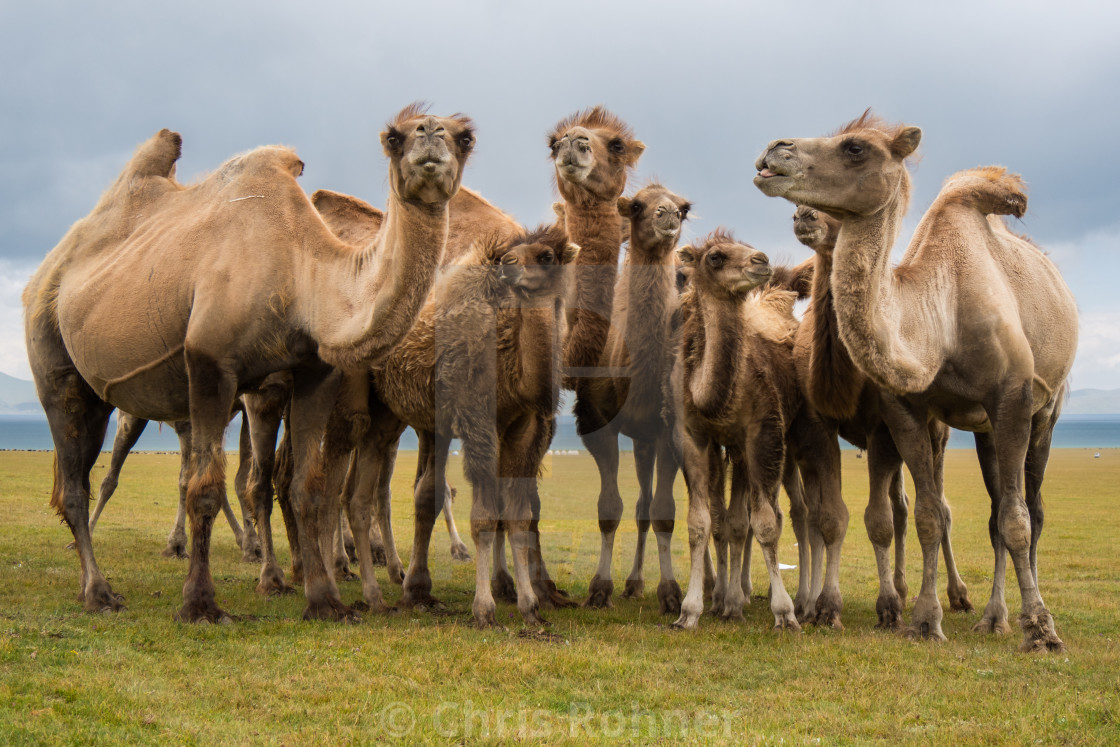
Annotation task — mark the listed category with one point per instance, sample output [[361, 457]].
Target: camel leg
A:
[[248, 540], [263, 413], [358, 506], [911, 437], [798, 517], [502, 585], [212, 393], [536, 441], [387, 456], [663, 513], [958, 592], [1038, 455], [282, 478], [314, 395], [884, 470], [349, 485], [418, 579], [645, 453], [900, 513], [735, 522], [765, 456], [695, 463], [177, 539], [717, 507], [129, 429], [78, 420], [519, 475], [459, 549], [603, 445], [1011, 430]]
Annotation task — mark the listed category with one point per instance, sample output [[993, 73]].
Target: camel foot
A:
[[959, 601], [1039, 633], [342, 572], [927, 631], [599, 593], [503, 587], [551, 597], [801, 609], [202, 612], [331, 609], [100, 597], [889, 610], [71, 545], [396, 574], [669, 597], [534, 620], [377, 607], [460, 553], [786, 623], [635, 588], [421, 601], [991, 625], [829, 606], [901, 588], [732, 615], [272, 583], [484, 616], [252, 554], [379, 557], [176, 550], [687, 621]]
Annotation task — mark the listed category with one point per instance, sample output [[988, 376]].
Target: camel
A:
[[735, 388], [490, 319], [640, 346], [849, 403], [129, 430], [188, 325], [975, 327]]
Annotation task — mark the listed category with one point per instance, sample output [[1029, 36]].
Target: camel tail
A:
[[989, 189]]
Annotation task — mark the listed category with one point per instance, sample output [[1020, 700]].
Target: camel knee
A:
[[1015, 527], [766, 523], [880, 528], [927, 521], [832, 522]]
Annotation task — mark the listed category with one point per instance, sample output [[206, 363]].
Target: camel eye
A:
[[393, 141], [684, 210], [853, 149], [545, 258], [716, 260], [616, 146], [635, 208], [554, 146], [466, 141]]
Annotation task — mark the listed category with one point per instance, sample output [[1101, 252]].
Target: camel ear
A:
[[560, 211], [624, 207], [687, 256], [634, 152], [392, 141], [906, 141], [570, 253]]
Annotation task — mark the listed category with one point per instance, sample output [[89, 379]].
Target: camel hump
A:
[[798, 279], [157, 155], [989, 189], [346, 215]]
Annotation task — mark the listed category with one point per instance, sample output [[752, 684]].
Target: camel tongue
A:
[[766, 173]]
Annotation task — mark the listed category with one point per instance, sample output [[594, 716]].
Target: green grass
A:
[[69, 677]]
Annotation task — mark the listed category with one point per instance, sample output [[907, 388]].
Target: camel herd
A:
[[442, 313]]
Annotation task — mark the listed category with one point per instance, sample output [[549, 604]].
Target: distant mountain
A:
[[17, 396], [1093, 402]]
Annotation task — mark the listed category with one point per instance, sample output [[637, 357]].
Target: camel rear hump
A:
[[989, 189]]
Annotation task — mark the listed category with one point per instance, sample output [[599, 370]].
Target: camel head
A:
[[533, 264], [815, 229], [724, 267], [682, 272], [426, 154], [856, 172], [592, 151], [655, 216]]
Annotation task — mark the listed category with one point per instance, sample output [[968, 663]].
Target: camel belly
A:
[[126, 340]]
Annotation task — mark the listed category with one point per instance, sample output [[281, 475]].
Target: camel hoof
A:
[[1039, 633], [732, 615], [960, 603], [422, 602], [176, 551], [252, 555], [669, 597], [889, 610], [926, 631], [101, 598], [71, 545], [503, 587], [343, 573], [331, 609], [484, 617], [379, 557], [828, 609], [202, 612], [991, 625], [551, 597], [460, 553], [599, 593], [786, 624], [686, 621], [635, 588]]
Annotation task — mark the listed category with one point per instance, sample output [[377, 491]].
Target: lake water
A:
[[30, 432]]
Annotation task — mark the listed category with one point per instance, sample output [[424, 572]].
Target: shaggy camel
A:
[[194, 328], [975, 327], [849, 403], [735, 387], [476, 351], [639, 344], [129, 430]]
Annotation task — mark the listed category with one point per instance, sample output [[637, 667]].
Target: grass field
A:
[[67, 677]]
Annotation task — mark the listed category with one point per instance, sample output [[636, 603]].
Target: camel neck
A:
[[833, 382], [596, 228], [362, 326], [650, 299], [869, 309], [720, 327]]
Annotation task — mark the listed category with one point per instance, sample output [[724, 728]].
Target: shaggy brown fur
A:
[[640, 346]]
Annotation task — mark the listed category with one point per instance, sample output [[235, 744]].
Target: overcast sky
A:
[[1029, 85]]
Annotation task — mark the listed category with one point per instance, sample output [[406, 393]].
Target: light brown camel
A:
[[455, 375], [129, 430], [639, 346], [735, 388], [850, 403], [975, 327], [146, 305]]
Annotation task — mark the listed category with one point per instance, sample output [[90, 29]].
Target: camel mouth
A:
[[772, 183]]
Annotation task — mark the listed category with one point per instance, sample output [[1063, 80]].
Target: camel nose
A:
[[760, 259], [784, 146]]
